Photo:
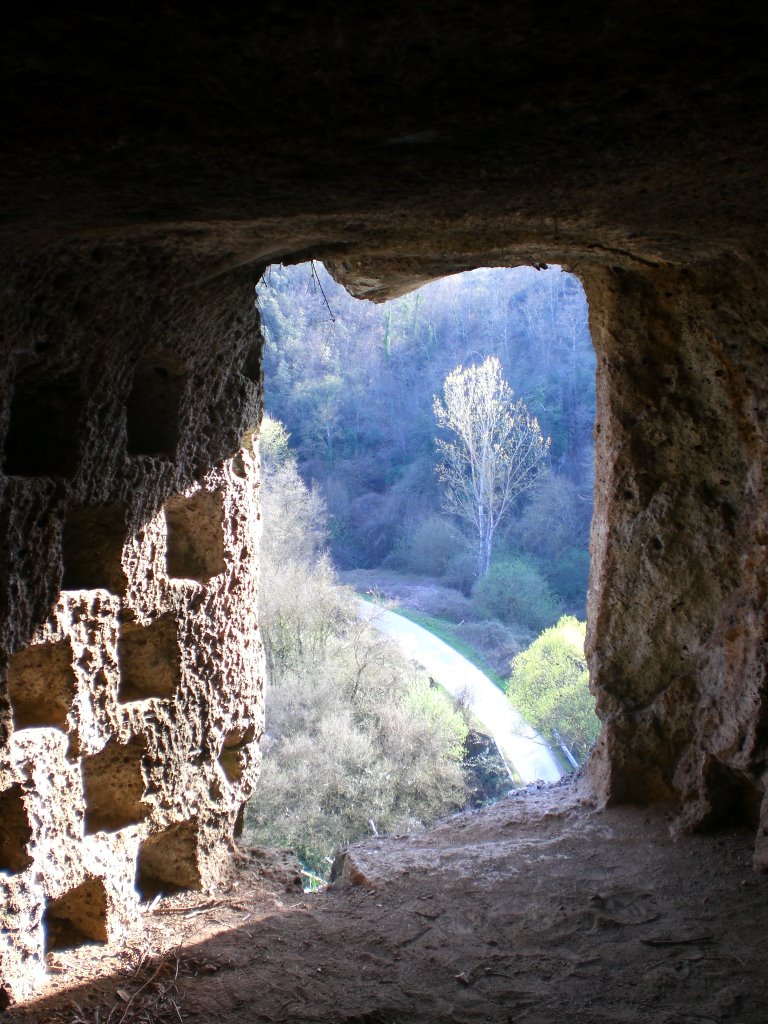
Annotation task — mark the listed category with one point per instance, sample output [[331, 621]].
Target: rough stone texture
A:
[[155, 163], [677, 614], [129, 669]]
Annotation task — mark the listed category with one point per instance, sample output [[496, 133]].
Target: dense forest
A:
[[354, 383]]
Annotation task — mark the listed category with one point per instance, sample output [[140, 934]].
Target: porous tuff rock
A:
[[677, 616], [133, 702]]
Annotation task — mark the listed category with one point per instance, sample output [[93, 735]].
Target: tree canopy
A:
[[549, 686], [495, 454]]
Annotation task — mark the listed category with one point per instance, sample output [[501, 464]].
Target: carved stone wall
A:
[[677, 609], [132, 692]]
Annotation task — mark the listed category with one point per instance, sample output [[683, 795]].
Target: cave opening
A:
[[352, 493], [401, 144]]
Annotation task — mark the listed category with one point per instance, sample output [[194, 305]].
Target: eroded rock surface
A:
[[677, 614], [134, 665]]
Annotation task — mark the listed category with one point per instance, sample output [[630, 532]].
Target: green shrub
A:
[[497, 643], [549, 686], [516, 592]]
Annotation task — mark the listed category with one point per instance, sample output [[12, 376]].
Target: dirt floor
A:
[[538, 909]]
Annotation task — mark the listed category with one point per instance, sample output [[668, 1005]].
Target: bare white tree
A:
[[496, 453]]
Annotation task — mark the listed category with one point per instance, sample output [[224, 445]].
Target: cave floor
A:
[[538, 909]]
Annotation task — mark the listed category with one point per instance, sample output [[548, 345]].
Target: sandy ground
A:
[[520, 745], [540, 910]]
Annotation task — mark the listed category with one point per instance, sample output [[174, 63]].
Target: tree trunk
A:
[[485, 548]]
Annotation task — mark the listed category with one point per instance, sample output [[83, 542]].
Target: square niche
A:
[[149, 659], [92, 548], [78, 917], [45, 426], [168, 861], [195, 536], [153, 411], [41, 685], [113, 787]]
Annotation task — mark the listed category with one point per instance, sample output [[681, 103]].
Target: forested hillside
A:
[[354, 383]]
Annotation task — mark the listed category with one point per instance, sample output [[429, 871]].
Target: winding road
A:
[[520, 745]]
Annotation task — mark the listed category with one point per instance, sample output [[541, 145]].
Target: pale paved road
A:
[[519, 744]]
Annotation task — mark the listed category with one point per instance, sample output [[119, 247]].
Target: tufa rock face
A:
[[155, 164], [677, 615], [132, 697]]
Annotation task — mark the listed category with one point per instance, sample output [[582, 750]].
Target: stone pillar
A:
[[131, 692], [677, 607]]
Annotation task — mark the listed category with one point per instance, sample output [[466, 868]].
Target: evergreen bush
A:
[[515, 591]]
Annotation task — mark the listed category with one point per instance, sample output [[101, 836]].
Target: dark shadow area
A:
[[92, 547], [44, 431], [252, 364], [734, 798], [15, 831], [154, 406]]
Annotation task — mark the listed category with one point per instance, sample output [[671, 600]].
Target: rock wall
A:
[[132, 686], [677, 611]]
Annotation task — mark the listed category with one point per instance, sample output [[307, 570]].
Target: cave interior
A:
[[154, 164]]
